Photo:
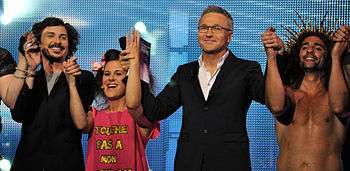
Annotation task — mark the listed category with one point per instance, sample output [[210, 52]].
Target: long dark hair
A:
[[73, 35], [294, 73]]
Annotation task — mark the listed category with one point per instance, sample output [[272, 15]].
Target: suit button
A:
[[206, 108]]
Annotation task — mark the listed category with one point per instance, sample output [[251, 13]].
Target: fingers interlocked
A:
[[71, 67]]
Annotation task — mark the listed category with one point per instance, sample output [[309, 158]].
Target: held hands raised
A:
[[341, 39], [272, 43], [71, 69]]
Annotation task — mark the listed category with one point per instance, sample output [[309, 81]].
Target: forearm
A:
[[24, 105], [15, 83], [274, 89], [133, 96], [139, 118], [346, 68], [133, 88], [337, 89], [80, 118]]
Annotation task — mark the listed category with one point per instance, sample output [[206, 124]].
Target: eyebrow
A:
[[51, 32], [317, 44], [118, 70]]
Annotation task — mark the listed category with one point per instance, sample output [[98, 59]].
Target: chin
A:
[[211, 51], [58, 55], [112, 97]]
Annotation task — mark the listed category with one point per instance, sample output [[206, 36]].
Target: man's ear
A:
[[230, 38]]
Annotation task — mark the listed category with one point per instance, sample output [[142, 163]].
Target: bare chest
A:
[[312, 110]]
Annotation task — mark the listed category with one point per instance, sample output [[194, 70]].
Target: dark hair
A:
[[73, 35], [217, 9], [111, 55], [294, 73], [7, 63]]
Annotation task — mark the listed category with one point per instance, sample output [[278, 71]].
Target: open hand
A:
[[130, 57]]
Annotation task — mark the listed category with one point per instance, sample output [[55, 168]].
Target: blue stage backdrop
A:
[[171, 27]]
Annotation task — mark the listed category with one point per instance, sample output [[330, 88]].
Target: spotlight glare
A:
[[141, 27], [5, 165], [5, 19]]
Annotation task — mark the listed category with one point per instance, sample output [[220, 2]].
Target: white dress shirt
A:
[[207, 80]]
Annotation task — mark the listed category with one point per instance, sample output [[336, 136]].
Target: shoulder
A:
[[231, 58], [187, 70], [86, 79], [86, 76], [86, 73], [188, 66], [245, 62]]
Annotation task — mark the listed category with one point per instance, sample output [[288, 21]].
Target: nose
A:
[[111, 77], [209, 31], [56, 39], [310, 49]]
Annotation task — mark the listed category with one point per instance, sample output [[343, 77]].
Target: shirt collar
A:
[[220, 62]]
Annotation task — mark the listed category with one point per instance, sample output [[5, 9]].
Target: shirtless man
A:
[[309, 103]]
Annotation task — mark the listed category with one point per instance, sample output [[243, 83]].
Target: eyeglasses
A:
[[214, 29]]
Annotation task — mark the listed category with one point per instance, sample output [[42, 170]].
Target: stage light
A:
[[141, 27], [5, 19], [5, 165], [15, 8], [1, 6]]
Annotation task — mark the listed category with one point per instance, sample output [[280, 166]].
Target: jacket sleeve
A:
[[167, 101], [86, 89], [256, 83]]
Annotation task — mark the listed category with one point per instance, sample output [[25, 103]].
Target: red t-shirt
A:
[[116, 143]]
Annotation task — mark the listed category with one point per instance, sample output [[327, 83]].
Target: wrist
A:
[[336, 60], [32, 68], [134, 65], [31, 72], [71, 84], [271, 58], [22, 64], [20, 74]]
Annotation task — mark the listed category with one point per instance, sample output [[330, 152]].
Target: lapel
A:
[[42, 85], [61, 80], [226, 68], [42, 82], [195, 81]]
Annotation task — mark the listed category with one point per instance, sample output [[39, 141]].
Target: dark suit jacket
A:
[[49, 138], [213, 131]]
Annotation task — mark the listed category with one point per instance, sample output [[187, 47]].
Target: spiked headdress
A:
[[309, 26]]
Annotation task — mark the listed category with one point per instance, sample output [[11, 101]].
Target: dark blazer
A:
[[49, 138], [213, 132]]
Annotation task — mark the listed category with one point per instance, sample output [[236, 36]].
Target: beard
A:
[[50, 57], [318, 66]]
